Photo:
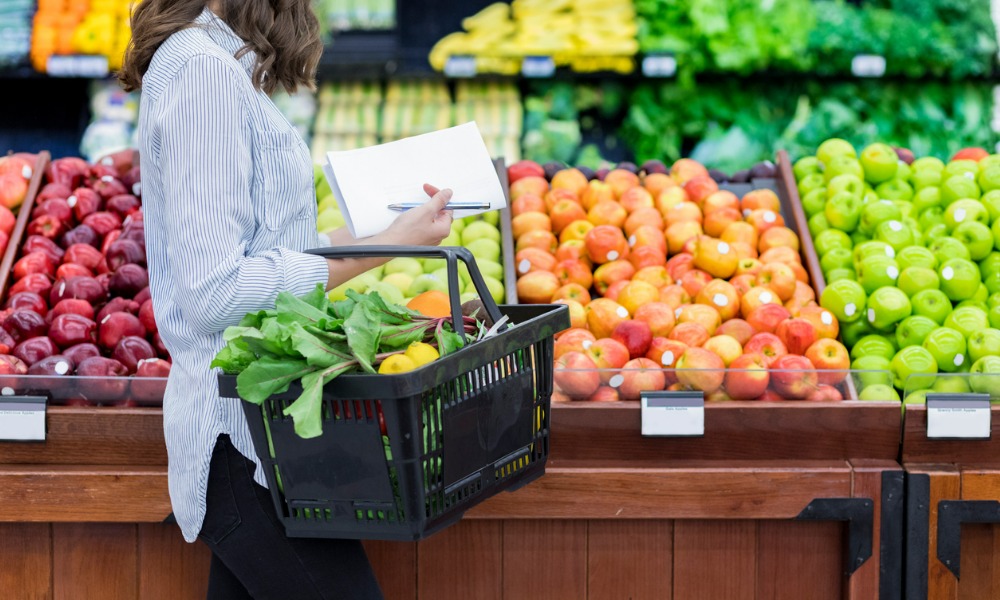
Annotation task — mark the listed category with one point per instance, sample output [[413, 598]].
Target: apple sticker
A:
[[850, 309], [720, 300], [770, 217], [7, 391], [587, 344], [616, 381], [892, 272], [871, 315], [26, 172], [895, 226], [71, 201], [948, 273], [667, 359], [766, 297], [622, 312], [959, 359], [826, 318], [890, 252], [723, 248], [632, 240], [613, 255], [62, 367], [524, 266], [959, 215]]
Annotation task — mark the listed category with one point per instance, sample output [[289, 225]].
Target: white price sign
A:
[[538, 66], [673, 414], [77, 66], [958, 416], [659, 65], [460, 66], [22, 418], [868, 65]]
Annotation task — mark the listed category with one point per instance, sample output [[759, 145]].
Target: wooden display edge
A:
[[918, 449], [605, 433], [21, 225], [506, 236]]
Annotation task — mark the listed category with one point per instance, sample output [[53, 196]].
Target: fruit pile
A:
[[79, 303], [911, 261], [402, 279], [730, 312], [585, 35], [15, 177], [97, 27]]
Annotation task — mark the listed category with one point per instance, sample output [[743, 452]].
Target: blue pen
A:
[[450, 206]]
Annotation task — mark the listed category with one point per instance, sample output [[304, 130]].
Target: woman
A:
[[229, 207]]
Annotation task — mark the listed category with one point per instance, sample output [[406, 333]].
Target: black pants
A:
[[253, 558]]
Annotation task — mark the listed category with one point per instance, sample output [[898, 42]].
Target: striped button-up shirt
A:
[[229, 207]]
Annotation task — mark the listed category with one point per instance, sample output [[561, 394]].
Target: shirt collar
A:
[[226, 38]]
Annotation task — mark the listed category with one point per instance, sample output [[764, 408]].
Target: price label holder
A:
[[673, 414], [958, 416], [77, 66], [460, 66], [659, 65], [868, 65], [22, 418], [538, 67]]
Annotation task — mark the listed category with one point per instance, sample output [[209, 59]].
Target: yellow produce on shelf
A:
[[79, 27]]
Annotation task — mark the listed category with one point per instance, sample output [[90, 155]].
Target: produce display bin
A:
[[952, 510], [458, 430]]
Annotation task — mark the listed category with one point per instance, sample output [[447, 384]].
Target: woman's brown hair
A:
[[283, 33]]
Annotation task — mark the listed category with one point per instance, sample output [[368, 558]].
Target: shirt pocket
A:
[[286, 180]]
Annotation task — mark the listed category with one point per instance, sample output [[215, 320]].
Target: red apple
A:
[[604, 394], [793, 376], [825, 393], [766, 317], [797, 334], [571, 340], [576, 375], [747, 377], [767, 344], [738, 329], [636, 336], [832, 358], [700, 369], [609, 355], [639, 375]]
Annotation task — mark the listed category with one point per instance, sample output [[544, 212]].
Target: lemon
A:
[[397, 363], [421, 353]]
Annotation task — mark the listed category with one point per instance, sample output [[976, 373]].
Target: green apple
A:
[[401, 281], [811, 183], [814, 202], [843, 211], [877, 272], [984, 343], [934, 233], [874, 345], [463, 275], [452, 239], [838, 274], [835, 147], [850, 333], [403, 264], [880, 162], [479, 230], [959, 278], [322, 185], [887, 306], [965, 210], [895, 234], [912, 330], [905, 209], [947, 346], [878, 393], [843, 165], [818, 224], [991, 200], [988, 161], [954, 384], [492, 217], [903, 171], [389, 292], [921, 180], [964, 168], [947, 248], [915, 279], [433, 264], [913, 367], [358, 284], [485, 249], [328, 202], [989, 178], [958, 187], [874, 213], [994, 316], [976, 237], [874, 370], [837, 258], [495, 287], [831, 239], [845, 299], [458, 225], [468, 296], [491, 268], [985, 377], [927, 163], [872, 248], [917, 256], [330, 220], [847, 182], [930, 217], [981, 296], [869, 197], [993, 300], [989, 270], [926, 198], [933, 304], [426, 282], [967, 320], [916, 397], [894, 189], [995, 230], [806, 165]]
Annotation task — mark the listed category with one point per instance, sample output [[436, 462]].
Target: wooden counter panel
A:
[[714, 559], [801, 560], [544, 559], [701, 493], [94, 561], [918, 449], [83, 493], [169, 567], [630, 559], [460, 559], [610, 431], [85, 436], [26, 560]]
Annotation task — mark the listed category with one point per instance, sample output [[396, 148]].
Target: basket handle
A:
[[451, 254]]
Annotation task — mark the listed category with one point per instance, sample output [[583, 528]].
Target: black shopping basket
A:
[[456, 431]]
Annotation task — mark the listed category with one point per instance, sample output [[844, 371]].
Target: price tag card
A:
[[22, 418], [659, 65], [538, 66], [868, 65], [673, 414], [958, 416], [460, 66], [77, 66]]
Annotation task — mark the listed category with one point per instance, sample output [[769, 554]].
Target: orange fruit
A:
[[432, 303]]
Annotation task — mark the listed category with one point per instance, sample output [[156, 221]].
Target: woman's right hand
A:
[[424, 226]]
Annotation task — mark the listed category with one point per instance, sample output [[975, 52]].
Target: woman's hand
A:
[[424, 226]]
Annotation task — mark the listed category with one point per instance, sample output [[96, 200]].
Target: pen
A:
[[450, 206]]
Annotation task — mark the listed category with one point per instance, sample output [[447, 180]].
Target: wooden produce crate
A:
[[953, 512], [775, 500]]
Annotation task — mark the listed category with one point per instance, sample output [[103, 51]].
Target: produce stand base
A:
[[953, 517]]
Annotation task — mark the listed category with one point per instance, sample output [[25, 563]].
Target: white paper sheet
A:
[[366, 181]]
